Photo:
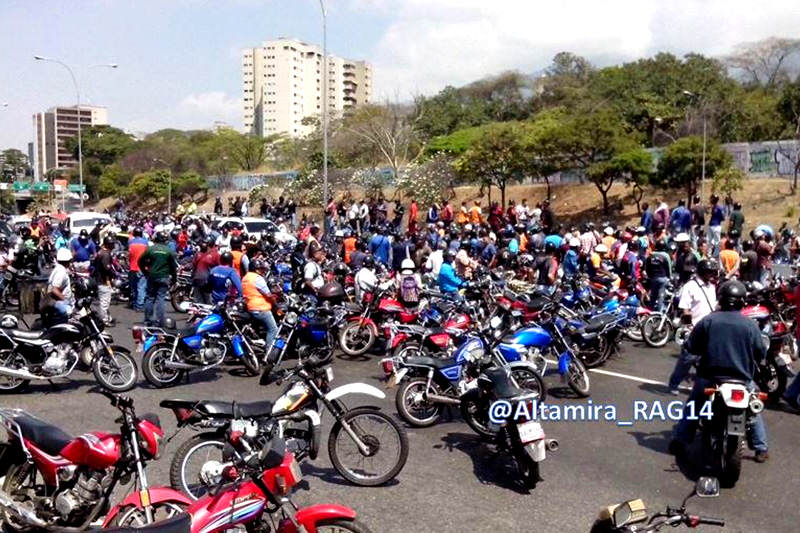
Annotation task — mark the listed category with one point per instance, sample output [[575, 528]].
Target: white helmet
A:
[[601, 248], [63, 255], [573, 242], [407, 264], [609, 230], [682, 237]]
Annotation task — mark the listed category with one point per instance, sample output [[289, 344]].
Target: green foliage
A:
[[682, 163], [455, 143], [249, 152], [153, 185], [106, 144], [189, 184], [16, 163], [7, 202], [728, 181], [429, 182], [113, 182]]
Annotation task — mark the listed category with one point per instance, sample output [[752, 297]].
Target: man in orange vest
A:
[[240, 260], [258, 299]]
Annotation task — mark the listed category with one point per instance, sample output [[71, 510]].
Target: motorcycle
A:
[[660, 327], [182, 291], [523, 439], [732, 408], [12, 277], [624, 517], [364, 433], [52, 480], [54, 352], [432, 384], [168, 356]]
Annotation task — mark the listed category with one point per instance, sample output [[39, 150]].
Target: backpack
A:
[[409, 291]]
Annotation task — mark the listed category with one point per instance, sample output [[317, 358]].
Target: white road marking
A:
[[627, 376]]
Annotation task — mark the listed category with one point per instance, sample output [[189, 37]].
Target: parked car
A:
[[257, 227], [85, 220]]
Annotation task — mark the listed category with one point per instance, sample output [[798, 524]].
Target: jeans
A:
[[266, 318], [716, 235], [657, 286], [157, 290], [685, 429], [63, 308], [138, 285], [683, 365], [104, 299], [792, 393]]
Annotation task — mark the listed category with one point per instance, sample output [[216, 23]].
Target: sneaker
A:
[[761, 457]]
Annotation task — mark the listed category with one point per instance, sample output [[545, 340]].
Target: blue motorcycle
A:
[[169, 355]]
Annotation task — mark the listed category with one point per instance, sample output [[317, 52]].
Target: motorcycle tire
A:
[[360, 330], [772, 380], [8, 384], [578, 378], [251, 362], [477, 418], [16, 477], [596, 354], [731, 467], [408, 349], [10, 297], [180, 478], [406, 407], [528, 469], [654, 336], [634, 331], [530, 381], [132, 517], [180, 295], [152, 366], [351, 418], [343, 525], [101, 366]]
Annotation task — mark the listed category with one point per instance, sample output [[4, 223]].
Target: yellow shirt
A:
[[728, 260]]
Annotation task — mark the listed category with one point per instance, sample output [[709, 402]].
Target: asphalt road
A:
[[453, 482]]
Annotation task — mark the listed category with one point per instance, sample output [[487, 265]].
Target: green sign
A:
[[42, 186], [22, 185], [76, 188]]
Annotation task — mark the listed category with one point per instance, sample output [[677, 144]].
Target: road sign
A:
[[77, 188]]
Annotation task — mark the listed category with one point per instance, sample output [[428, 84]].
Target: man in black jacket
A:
[[728, 345]]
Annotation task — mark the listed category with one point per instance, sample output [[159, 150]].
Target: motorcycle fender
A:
[[309, 517], [364, 320], [563, 363], [536, 450], [736, 423], [398, 377], [154, 495], [354, 388], [149, 342]]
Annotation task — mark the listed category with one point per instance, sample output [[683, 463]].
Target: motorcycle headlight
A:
[[291, 318], [474, 351]]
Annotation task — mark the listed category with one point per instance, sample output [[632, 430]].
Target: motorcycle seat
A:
[[49, 438], [504, 388], [221, 409], [429, 361], [598, 323], [26, 335], [179, 524], [351, 307]]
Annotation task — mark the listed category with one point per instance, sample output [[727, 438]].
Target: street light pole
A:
[[324, 114], [78, 110]]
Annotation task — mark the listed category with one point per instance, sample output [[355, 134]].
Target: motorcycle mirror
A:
[[496, 322], [628, 512], [707, 487]]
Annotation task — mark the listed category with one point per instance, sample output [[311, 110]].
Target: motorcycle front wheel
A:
[[656, 330], [357, 338], [116, 371], [578, 378], [386, 442], [530, 381], [179, 296]]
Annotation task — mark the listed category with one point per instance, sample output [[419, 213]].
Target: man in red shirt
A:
[[138, 283], [446, 215], [413, 211], [206, 259]]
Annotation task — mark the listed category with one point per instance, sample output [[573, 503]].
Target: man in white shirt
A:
[[698, 299], [435, 260], [365, 279], [59, 286], [312, 272], [522, 211]]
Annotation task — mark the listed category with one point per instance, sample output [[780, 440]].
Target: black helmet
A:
[[706, 268], [85, 287], [258, 264], [160, 237], [226, 258], [340, 269], [734, 234], [83, 234], [174, 234], [369, 262], [732, 295], [211, 241], [549, 247], [3, 241], [449, 256], [137, 231], [661, 245], [109, 242], [236, 242]]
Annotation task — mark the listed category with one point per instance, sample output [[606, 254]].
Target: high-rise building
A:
[[53, 128], [282, 83]]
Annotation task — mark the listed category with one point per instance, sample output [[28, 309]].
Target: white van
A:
[[85, 220]]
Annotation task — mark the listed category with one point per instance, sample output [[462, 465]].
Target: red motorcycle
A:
[[53, 480], [253, 494], [415, 340]]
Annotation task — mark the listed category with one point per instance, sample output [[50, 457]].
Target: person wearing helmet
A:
[[313, 279], [765, 249], [104, 275], [686, 258], [240, 259], [259, 299], [409, 283], [6, 258], [59, 287], [222, 277], [160, 266], [571, 263], [223, 241], [658, 268], [698, 298], [608, 240], [728, 347], [83, 250], [449, 282], [136, 247]]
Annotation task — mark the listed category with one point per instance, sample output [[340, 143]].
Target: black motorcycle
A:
[[56, 350]]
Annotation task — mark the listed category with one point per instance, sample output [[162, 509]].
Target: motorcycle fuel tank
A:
[[210, 324], [97, 450], [529, 336]]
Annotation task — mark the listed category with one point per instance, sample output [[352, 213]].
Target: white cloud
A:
[[432, 43], [210, 106]]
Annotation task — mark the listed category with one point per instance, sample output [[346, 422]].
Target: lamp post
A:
[[169, 184], [696, 98], [77, 109], [324, 114]]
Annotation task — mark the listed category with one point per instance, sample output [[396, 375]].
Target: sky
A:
[[180, 60]]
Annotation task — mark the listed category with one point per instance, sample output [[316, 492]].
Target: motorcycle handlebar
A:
[[711, 521], [117, 400]]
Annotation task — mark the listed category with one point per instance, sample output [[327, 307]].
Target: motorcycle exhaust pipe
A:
[[756, 405], [22, 374], [22, 512], [551, 444], [443, 399], [179, 366]]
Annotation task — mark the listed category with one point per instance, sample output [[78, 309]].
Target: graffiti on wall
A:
[[768, 158]]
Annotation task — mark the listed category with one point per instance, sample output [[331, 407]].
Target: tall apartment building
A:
[[54, 126], [282, 82]]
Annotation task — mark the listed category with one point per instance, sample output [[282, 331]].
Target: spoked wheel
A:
[[13, 360], [413, 407], [656, 330], [187, 468], [530, 381], [385, 441], [634, 331], [180, 296], [116, 372], [578, 378], [10, 297], [596, 353], [18, 484], [154, 366], [477, 418], [133, 517]]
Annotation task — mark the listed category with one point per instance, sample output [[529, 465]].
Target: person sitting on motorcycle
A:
[[698, 299], [59, 287], [728, 346], [449, 282], [259, 298], [571, 263], [686, 258], [596, 268], [222, 277], [464, 264], [365, 279], [658, 267], [409, 283], [83, 250]]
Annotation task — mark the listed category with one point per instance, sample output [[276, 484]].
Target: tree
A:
[[496, 158], [153, 185], [789, 108], [16, 164], [106, 144], [189, 184], [114, 181], [250, 151], [728, 181], [429, 182], [682, 163], [540, 146], [455, 143], [763, 62], [449, 110]]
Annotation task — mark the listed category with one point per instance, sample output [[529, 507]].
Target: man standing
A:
[[413, 212], [160, 266], [104, 275], [447, 214], [136, 247], [548, 218], [312, 272], [715, 224], [736, 219], [380, 246], [647, 218]]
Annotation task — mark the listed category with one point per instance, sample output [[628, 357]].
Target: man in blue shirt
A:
[[715, 224], [380, 246], [681, 218], [221, 277], [449, 282], [647, 218], [556, 239], [570, 263], [83, 250]]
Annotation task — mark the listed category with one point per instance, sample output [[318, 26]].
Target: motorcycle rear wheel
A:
[[528, 469], [419, 413], [16, 478], [654, 333], [154, 370], [179, 295], [181, 478], [9, 384], [357, 338], [476, 418], [117, 376]]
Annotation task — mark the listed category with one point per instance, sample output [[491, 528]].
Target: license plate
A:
[[139, 347], [530, 431], [329, 373]]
